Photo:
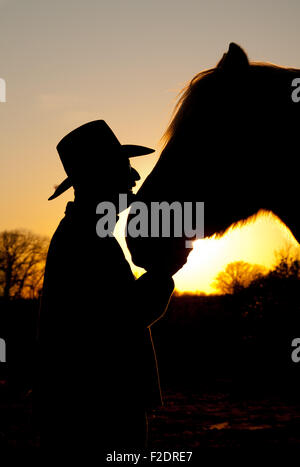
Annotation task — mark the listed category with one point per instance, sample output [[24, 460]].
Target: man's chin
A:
[[129, 200], [130, 197]]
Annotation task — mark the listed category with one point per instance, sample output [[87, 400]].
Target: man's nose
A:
[[135, 174]]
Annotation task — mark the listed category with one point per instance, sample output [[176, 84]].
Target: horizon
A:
[[125, 63]]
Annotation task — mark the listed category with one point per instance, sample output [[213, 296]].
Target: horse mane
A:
[[203, 82]]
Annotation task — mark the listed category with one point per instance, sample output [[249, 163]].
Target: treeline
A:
[[22, 264], [245, 335]]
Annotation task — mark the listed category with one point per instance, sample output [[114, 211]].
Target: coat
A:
[[96, 352]]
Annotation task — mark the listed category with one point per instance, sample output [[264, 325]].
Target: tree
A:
[[287, 265], [22, 263], [237, 276]]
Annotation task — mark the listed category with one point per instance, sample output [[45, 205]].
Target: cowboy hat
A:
[[92, 139]]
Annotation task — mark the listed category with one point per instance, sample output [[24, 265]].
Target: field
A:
[[228, 381]]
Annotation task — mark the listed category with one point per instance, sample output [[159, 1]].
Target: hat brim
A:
[[64, 186], [130, 150]]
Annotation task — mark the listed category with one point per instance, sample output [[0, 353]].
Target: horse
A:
[[232, 143]]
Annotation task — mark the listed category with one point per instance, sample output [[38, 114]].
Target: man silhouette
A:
[[97, 366]]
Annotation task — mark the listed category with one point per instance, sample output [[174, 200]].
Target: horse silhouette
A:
[[232, 144]]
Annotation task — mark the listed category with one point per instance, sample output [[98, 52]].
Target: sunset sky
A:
[[68, 62]]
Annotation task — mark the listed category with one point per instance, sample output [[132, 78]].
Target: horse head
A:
[[230, 145]]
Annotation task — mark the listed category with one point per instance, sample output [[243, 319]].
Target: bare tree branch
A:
[[236, 276], [22, 263]]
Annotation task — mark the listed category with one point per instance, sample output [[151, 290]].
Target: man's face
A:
[[106, 184], [126, 178], [124, 183]]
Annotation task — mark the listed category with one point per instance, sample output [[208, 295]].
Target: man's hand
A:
[[153, 290]]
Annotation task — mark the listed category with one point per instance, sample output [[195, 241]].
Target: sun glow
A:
[[255, 242]]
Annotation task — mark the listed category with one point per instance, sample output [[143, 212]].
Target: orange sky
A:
[[67, 62]]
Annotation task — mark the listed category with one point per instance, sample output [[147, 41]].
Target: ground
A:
[[189, 421]]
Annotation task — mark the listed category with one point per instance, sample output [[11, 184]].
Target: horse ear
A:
[[234, 60]]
